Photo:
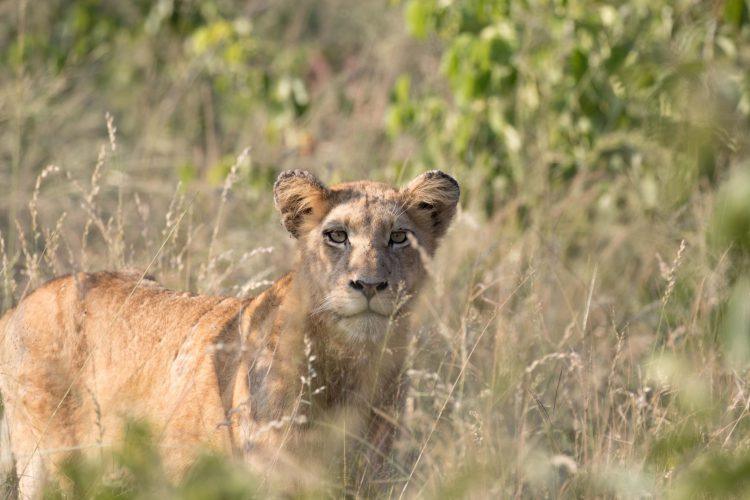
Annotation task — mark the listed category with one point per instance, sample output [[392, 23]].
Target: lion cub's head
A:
[[362, 244]]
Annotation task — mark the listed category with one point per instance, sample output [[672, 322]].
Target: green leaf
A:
[[617, 56], [401, 89], [579, 64], [737, 326], [735, 12], [730, 226], [419, 17]]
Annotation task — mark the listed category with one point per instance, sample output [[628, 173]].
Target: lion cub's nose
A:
[[368, 287]]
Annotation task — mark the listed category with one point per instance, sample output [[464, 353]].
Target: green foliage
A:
[[736, 327], [214, 62], [730, 227], [716, 475], [134, 471], [675, 447], [214, 477], [547, 88]]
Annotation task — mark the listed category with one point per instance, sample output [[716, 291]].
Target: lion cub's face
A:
[[362, 244]]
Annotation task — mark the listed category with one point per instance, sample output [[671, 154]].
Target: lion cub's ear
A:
[[302, 200], [431, 200]]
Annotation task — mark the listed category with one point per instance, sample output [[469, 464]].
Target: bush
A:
[[541, 90]]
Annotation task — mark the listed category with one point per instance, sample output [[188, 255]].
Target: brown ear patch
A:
[[431, 200], [301, 199]]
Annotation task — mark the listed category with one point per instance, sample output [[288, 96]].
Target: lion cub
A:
[[248, 377]]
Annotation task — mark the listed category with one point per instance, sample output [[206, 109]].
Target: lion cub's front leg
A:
[[267, 418]]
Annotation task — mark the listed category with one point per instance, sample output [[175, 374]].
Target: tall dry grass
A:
[[552, 357]]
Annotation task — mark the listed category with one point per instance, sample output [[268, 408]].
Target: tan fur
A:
[[85, 352]]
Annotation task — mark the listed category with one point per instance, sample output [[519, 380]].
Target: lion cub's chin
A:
[[367, 326]]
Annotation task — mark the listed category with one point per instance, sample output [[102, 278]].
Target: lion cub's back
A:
[[69, 316], [110, 338]]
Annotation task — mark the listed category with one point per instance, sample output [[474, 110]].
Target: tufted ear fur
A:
[[431, 200], [301, 199]]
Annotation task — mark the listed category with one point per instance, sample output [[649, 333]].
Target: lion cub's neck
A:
[[292, 353]]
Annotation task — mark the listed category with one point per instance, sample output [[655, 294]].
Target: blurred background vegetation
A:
[[587, 330]]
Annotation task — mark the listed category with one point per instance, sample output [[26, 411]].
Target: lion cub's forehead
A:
[[363, 189], [365, 203]]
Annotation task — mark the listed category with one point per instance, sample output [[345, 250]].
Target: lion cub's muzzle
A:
[[368, 287]]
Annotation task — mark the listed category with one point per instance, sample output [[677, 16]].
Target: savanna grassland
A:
[[586, 328]]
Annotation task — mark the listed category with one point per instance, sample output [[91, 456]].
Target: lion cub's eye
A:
[[336, 236], [398, 238]]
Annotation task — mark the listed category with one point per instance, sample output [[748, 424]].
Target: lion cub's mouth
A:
[[368, 313], [366, 326]]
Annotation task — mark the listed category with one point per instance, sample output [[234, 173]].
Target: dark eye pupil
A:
[[337, 236], [398, 237]]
